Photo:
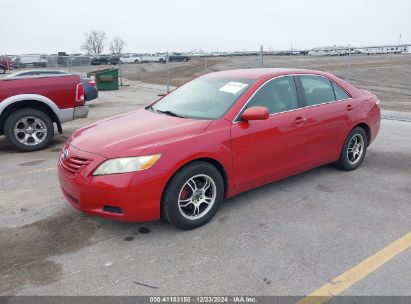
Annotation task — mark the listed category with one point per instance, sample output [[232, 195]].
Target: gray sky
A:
[[49, 26]]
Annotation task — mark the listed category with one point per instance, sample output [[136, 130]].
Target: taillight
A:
[[80, 93], [92, 83]]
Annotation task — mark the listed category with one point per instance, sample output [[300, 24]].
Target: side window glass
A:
[[278, 95], [340, 94], [317, 89]]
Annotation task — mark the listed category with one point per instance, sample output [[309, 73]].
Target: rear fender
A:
[[34, 97]]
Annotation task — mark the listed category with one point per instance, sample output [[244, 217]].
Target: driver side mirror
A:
[[255, 113]]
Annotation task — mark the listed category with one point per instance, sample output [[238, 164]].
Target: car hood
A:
[[130, 133]]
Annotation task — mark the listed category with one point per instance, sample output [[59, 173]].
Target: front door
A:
[[267, 150]]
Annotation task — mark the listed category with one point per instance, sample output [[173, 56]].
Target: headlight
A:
[[127, 164]]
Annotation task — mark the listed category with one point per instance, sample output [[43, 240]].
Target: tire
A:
[[178, 202], [2, 70], [37, 130], [356, 142]]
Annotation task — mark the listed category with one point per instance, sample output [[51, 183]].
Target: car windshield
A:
[[203, 98]]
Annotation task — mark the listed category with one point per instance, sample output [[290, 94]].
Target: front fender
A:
[[214, 143]]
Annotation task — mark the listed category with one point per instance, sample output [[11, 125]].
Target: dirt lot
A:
[[287, 238], [387, 76]]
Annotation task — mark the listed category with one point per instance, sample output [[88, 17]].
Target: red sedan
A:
[[216, 136]]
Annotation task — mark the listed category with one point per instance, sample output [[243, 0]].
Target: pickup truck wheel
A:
[[2, 70], [29, 130]]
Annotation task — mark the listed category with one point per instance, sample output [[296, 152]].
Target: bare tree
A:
[[117, 45], [94, 42]]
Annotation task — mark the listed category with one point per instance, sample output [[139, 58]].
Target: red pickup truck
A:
[[30, 106]]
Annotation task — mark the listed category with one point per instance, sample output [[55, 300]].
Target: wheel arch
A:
[[9, 106], [212, 161], [367, 130]]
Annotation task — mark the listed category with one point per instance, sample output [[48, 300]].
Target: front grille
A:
[[73, 164]]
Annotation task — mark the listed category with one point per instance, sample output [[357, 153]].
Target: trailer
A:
[[36, 60]]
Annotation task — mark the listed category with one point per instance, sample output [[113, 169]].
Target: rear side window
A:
[[317, 89], [277, 95], [340, 94]]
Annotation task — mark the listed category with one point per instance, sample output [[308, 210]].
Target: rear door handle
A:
[[349, 107], [300, 120]]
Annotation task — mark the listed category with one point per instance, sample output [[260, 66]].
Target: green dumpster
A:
[[106, 79]]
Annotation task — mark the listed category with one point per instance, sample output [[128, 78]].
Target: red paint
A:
[[252, 153], [255, 113], [61, 90]]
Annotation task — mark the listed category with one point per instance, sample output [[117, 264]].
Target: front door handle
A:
[[300, 120], [349, 107]]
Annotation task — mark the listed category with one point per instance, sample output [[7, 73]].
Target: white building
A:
[[369, 50]]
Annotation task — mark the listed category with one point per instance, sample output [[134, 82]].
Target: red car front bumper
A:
[[133, 197]]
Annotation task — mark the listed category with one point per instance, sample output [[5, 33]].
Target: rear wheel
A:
[[354, 149], [193, 196], [29, 130]]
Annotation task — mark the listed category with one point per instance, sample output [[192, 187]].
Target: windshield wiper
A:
[[169, 113]]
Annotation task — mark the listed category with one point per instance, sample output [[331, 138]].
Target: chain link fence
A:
[[387, 75]]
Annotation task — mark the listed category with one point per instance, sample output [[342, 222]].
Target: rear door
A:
[[266, 150], [327, 109]]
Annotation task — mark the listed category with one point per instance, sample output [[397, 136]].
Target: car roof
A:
[[262, 73], [38, 72]]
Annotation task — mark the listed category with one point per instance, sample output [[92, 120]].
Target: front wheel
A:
[[354, 149], [193, 196], [29, 130]]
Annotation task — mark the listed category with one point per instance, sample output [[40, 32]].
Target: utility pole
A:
[[261, 57], [205, 63], [120, 71], [168, 74], [141, 71], [349, 62]]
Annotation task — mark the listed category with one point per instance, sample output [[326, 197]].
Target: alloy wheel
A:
[[197, 197], [355, 149], [30, 130]]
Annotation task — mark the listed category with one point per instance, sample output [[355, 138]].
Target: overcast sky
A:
[[49, 26]]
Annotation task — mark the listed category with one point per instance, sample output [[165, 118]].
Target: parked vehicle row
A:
[[63, 59], [215, 137], [137, 58], [105, 59]]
